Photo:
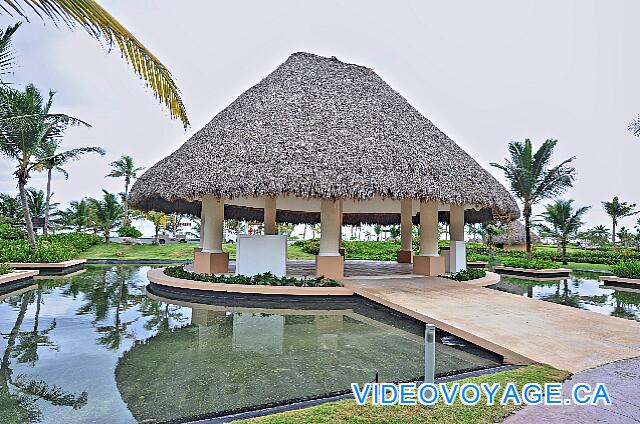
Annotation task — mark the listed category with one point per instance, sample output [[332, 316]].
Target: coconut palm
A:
[[489, 230], [634, 126], [598, 235], [616, 210], [101, 25], [37, 203], [562, 223], [50, 159], [77, 217], [26, 122], [106, 213], [125, 168], [625, 236], [533, 179]]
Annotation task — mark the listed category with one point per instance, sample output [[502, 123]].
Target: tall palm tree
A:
[[26, 122], [125, 168], [562, 223], [101, 25], [107, 213], [598, 235], [37, 203], [49, 159], [533, 179], [489, 230], [616, 210]]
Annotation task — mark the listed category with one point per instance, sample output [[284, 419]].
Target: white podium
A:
[[260, 254], [457, 257]]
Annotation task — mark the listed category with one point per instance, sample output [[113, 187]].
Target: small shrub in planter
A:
[[528, 263], [266, 279], [627, 269], [128, 231], [469, 274], [5, 269]]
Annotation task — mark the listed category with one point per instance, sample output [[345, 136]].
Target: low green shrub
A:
[[469, 274], [10, 231], [473, 258], [266, 279], [528, 263], [5, 269], [129, 231], [627, 269], [51, 248]]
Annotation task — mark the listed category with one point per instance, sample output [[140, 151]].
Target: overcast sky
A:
[[485, 73]]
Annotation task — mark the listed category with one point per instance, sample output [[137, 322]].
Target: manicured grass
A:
[[347, 411], [586, 266], [181, 251]]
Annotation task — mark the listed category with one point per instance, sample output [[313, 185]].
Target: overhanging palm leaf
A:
[[6, 54], [102, 25]]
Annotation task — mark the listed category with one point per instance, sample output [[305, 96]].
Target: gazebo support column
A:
[[458, 250], [428, 262], [269, 216], [212, 259], [405, 254], [329, 262]]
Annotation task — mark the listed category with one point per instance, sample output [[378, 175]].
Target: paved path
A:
[[522, 330], [622, 379]]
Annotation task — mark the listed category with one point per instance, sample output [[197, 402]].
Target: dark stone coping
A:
[[16, 285], [533, 273], [61, 271]]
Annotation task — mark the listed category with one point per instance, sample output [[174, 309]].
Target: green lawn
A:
[[347, 411], [181, 251], [580, 265]]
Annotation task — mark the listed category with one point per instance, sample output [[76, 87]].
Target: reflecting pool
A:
[[583, 290], [97, 347]]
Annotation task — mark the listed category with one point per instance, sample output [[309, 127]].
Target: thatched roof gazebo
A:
[[515, 238], [320, 140]]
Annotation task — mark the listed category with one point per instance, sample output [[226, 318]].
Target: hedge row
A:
[[52, 248]]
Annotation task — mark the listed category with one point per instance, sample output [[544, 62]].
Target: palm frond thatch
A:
[[102, 25], [515, 234], [317, 127]]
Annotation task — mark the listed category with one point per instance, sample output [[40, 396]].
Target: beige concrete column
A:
[[270, 216], [428, 228], [405, 254], [428, 262], [456, 222], [329, 262], [212, 259]]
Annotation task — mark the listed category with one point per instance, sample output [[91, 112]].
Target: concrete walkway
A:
[[621, 378], [523, 330]]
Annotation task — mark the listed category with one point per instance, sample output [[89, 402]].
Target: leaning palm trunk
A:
[[47, 202], [126, 203], [527, 228], [27, 213]]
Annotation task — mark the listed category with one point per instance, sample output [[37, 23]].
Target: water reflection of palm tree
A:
[[625, 302], [27, 350], [19, 395], [563, 295]]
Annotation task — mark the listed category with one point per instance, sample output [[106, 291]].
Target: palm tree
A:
[[616, 210], [489, 230], [625, 236], [125, 168], [533, 179], [25, 124], [562, 223], [50, 159], [107, 213], [37, 203], [101, 25], [598, 235], [159, 221], [76, 217]]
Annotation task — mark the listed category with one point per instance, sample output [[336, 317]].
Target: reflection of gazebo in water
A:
[[320, 140]]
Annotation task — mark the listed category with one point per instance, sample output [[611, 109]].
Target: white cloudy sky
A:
[[484, 72]]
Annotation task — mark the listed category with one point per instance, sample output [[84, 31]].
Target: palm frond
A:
[[103, 26], [6, 54]]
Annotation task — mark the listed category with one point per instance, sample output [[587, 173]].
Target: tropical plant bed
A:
[[477, 264], [627, 272], [179, 278]]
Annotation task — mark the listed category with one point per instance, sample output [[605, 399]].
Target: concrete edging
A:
[[18, 275], [47, 265], [530, 272], [614, 279], [488, 280], [158, 276]]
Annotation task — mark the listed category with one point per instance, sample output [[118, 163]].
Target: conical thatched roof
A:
[[318, 127], [516, 235]]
